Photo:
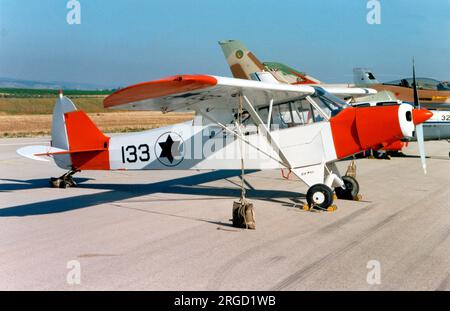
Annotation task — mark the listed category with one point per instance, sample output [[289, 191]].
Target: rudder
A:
[[74, 131], [363, 76]]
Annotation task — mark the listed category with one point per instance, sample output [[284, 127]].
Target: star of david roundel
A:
[[169, 149]]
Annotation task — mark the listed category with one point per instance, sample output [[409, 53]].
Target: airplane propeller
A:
[[419, 127]]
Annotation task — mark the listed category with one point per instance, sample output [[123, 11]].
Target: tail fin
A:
[[242, 62], [59, 132], [363, 76], [77, 143], [245, 65]]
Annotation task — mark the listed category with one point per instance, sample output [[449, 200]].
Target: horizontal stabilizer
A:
[[36, 152], [40, 152]]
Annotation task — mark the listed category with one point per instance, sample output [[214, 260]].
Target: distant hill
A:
[[52, 85]]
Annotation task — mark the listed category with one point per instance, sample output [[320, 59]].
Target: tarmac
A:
[[171, 230]]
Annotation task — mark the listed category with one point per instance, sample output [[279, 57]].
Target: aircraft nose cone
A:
[[421, 115]]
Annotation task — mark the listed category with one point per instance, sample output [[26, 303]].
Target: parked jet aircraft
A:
[[271, 126], [244, 65], [432, 93]]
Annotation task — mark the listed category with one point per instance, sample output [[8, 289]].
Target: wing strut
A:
[[265, 131], [228, 130], [269, 117]]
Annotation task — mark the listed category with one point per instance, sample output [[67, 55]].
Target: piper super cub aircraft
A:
[[262, 125]]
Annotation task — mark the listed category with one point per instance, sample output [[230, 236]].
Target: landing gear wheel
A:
[[351, 190], [320, 196], [55, 182]]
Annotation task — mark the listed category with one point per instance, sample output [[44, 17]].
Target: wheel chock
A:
[[306, 208], [244, 215], [358, 197], [335, 197], [332, 208]]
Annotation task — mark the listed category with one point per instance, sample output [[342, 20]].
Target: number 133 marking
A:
[[132, 154]]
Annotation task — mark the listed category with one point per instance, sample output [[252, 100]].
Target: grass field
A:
[[30, 105], [31, 116], [18, 92], [36, 125]]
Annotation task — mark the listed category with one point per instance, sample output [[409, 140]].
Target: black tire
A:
[[70, 182], [395, 153], [351, 190], [55, 182], [319, 195]]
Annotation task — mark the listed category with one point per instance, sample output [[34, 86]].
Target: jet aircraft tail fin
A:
[[363, 76], [245, 65], [242, 62]]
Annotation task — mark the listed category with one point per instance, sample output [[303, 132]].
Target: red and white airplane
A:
[[264, 125]]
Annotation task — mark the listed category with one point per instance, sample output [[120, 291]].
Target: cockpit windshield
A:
[[422, 84], [327, 102]]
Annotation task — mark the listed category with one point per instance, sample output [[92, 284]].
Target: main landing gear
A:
[[64, 181], [321, 196], [351, 191]]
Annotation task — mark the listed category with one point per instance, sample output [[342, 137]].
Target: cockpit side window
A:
[[290, 114], [304, 111]]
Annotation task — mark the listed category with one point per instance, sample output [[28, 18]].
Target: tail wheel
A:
[[319, 195], [351, 190]]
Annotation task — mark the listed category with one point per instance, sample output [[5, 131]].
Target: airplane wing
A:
[[187, 92], [348, 91]]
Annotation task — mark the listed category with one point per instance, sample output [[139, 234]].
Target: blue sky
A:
[[120, 42]]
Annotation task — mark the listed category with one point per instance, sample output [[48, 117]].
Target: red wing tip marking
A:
[[159, 88]]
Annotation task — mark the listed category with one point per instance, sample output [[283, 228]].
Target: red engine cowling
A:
[[358, 129]]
